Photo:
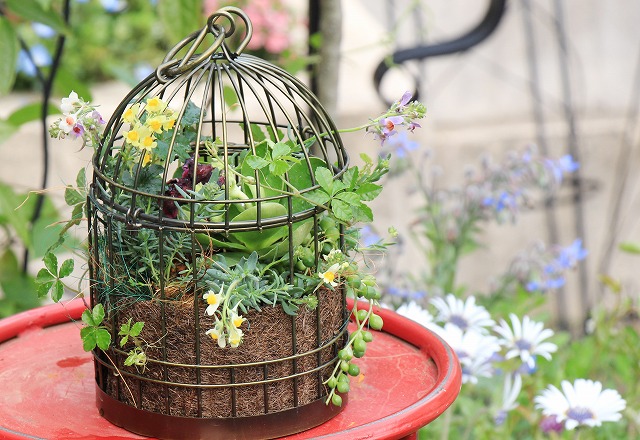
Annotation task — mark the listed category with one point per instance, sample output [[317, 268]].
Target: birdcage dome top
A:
[[214, 133]]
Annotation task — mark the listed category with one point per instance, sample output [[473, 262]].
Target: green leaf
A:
[[349, 197], [324, 179], [72, 197], [280, 150], [17, 287], [51, 262], [66, 268], [87, 318], [629, 247], [179, 18], [350, 177], [44, 276], [258, 240], [366, 159], [278, 167], [17, 218], [81, 179], [103, 339], [257, 133], [369, 191], [57, 291], [256, 162], [318, 196], [98, 314], [87, 334], [136, 328], [230, 97], [342, 211], [30, 112], [6, 128], [9, 50], [43, 289], [31, 10]]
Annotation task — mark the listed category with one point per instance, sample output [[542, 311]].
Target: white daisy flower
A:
[[475, 350], [510, 393], [416, 313], [583, 403], [464, 314], [525, 339]]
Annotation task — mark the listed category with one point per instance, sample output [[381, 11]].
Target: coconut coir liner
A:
[[268, 335]]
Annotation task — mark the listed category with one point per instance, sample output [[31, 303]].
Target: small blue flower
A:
[[368, 236], [570, 255], [42, 30], [142, 70], [562, 166], [40, 57], [401, 144], [113, 6], [406, 294]]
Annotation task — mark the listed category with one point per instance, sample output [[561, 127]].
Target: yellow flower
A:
[[169, 121], [133, 136], [131, 114], [146, 159], [155, 105], [330, 275], [155, 123]]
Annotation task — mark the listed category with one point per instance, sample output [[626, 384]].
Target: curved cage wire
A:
[[212, 155]]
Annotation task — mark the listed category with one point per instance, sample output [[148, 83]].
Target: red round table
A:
[[47, 387]]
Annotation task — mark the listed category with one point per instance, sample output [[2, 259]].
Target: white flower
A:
[[583, 403], [213, 301], [217, 334], [464, 314], [330, 275], [69, 104], [235, 336], [413, 311], [67, 123], [525, 339], [475, 350], [510, 393]]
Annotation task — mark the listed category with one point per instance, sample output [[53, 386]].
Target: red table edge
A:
[[412, 418]]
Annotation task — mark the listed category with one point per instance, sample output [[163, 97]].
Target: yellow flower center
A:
[[214, 336], [133, 136], [129, 116], [155, 124], [212, 299], [154, 105], [329, 277], [148, 142], [237, 322]]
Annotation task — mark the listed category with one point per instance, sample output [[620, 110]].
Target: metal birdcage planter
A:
[[166, 206]]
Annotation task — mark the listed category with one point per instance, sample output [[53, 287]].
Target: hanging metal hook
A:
[[171, 67]]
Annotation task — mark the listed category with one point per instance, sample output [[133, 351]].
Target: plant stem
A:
[[444, 435]]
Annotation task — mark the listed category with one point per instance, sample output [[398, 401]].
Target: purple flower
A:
[[77, 130], [389, 124], [550, 424], [404, 100], [203, 174], [98, 117]]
